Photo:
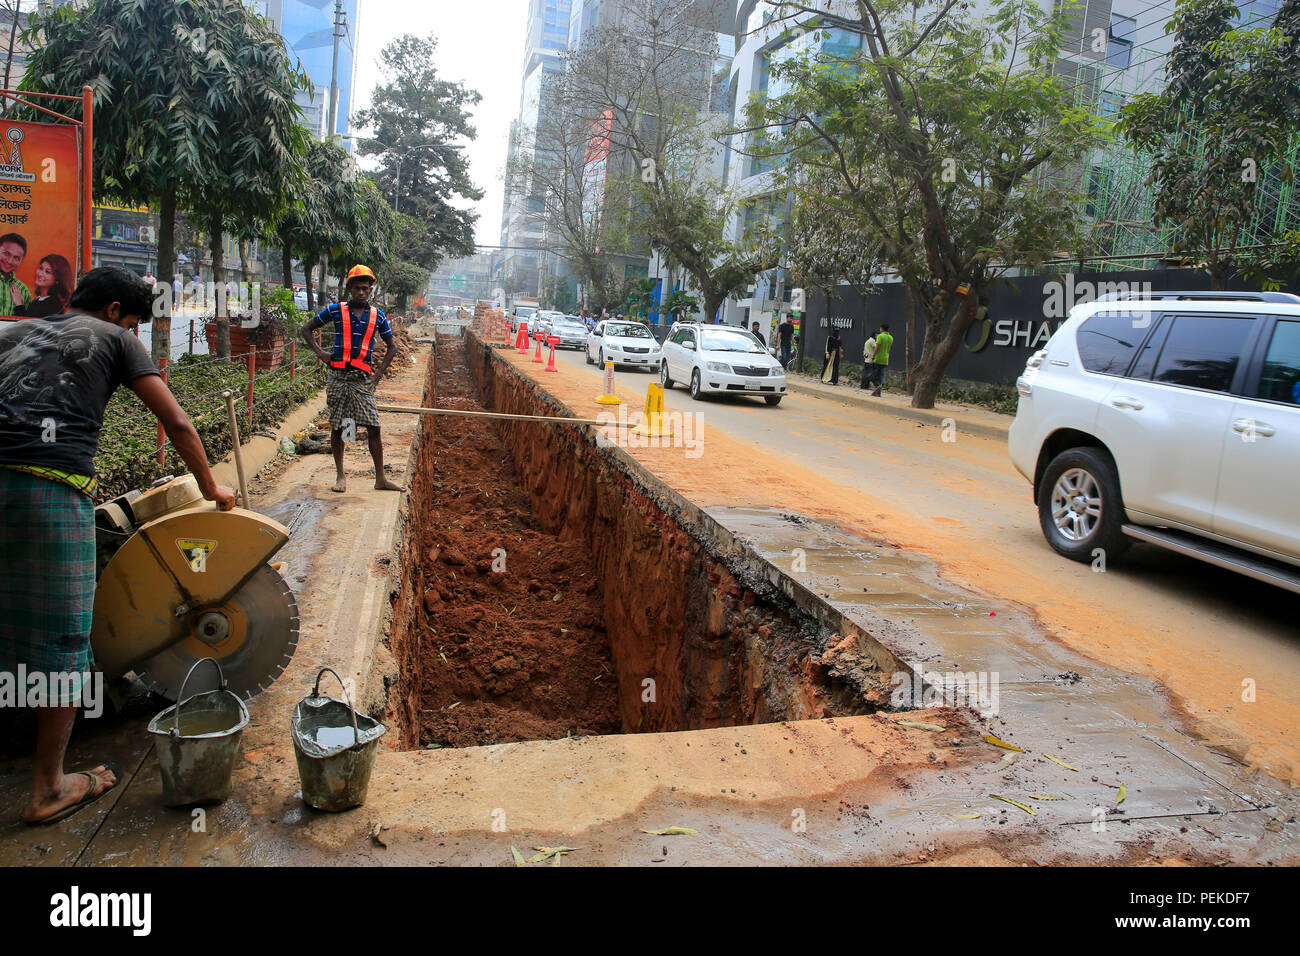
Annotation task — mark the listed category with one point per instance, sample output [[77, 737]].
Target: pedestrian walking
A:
[[881, 361], [831, 363], [57, 373], [759, 335], [350, 387], [785, 338], [868, 363]]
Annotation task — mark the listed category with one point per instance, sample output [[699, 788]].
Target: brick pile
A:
[[490, 324]]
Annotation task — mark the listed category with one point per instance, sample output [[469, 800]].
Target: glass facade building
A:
[[308, 30]]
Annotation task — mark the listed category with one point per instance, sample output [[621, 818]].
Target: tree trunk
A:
[[162, 324], [286, 264], [9, 58], [938, 352], [243, 262], [712, 303], [215, 227], [311, 293]]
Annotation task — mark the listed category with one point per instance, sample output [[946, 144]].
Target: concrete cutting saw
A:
[[179, 580]]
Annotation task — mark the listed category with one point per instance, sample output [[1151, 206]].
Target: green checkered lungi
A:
[[350, 397], [47, 580]]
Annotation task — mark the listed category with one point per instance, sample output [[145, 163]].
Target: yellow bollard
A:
[[654, 424], [609, 398]]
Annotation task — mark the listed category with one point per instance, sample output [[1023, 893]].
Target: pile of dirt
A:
[[513, 644], [405, 356]]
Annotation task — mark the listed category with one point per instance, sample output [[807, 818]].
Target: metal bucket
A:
[[199, 743], [335, 747]]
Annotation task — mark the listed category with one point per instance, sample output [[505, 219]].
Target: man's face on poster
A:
[[11, 256]]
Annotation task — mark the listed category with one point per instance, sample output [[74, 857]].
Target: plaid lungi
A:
[[350, 398], [47, 580]]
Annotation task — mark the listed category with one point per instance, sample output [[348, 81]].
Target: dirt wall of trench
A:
[[390, 688], [724, 636]]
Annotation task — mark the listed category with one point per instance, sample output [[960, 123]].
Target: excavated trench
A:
[[550, 587]]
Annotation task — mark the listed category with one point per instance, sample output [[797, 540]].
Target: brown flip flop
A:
[[89, 797]]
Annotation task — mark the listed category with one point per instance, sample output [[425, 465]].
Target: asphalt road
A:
[[1214, 639]]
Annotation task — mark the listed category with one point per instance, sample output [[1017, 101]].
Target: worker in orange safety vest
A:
[[350, 386]]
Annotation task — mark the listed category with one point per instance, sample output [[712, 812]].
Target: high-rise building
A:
[[308, 30], [520, 267]]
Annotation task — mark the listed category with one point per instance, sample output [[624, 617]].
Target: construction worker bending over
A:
[[350, 387]]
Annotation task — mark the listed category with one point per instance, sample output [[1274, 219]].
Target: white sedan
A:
[[721, 360], [623, 343]]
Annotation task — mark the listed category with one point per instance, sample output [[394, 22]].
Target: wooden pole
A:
[[87, 173], [229, 396], [293, 357], [252, 367]]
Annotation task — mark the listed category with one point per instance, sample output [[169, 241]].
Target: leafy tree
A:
[[641, 299], [681, 303], [404, 279], [649, 78], [416, 118], [1218, 132], [194, 109], [941, 136]]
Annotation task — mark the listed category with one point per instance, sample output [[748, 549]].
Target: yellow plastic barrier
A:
[[654, 424], [608, 397]]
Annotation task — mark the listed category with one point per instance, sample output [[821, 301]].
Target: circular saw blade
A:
[[263, 636]]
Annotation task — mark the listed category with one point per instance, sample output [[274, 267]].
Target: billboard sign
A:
[[40, 196]]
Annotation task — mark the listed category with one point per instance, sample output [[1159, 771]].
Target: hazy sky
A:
[[480, 43]]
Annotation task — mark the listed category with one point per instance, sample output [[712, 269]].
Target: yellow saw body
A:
[[180, 581]]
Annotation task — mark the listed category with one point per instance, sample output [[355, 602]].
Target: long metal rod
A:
[[458, 413]]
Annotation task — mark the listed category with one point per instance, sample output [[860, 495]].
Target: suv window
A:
[[1280, 379], [1203, 351], [1108, 340], [680, 335]]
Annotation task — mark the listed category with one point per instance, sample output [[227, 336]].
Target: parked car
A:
[[1172, 419], [720, 360], [300, 298], [626, 343]]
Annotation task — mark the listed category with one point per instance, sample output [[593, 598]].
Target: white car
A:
[[624, 343], [1172, 419], [572, 333], [721, 360]]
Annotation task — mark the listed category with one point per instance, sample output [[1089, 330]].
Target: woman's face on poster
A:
[[44, 276]]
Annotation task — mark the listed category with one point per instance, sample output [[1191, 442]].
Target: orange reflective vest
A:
[[358, 361]]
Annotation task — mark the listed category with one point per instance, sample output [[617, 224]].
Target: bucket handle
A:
[[315, 692], [181, 698]]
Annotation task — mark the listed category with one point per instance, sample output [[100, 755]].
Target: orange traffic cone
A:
[[550, 366], [537, 356], [521, 343]]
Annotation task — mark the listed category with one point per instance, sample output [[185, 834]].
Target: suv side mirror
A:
[[689, 345]]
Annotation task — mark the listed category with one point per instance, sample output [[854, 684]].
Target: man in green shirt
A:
[[13, 291], [883, 342]]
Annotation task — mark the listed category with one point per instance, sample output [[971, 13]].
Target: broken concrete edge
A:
[[769, 582], [926, 415]]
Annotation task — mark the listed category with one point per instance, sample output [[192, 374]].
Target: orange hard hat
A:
[[360, 272]]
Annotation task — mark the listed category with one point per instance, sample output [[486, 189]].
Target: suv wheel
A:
[[664, 380], [1079, 505], [695, 385]]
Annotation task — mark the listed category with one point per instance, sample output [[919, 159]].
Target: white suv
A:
[[721, 360], [1172, 419]]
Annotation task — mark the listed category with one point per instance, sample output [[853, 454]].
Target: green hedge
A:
[[128, 444]]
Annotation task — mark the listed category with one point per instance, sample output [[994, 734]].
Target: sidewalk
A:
[[968, 418]]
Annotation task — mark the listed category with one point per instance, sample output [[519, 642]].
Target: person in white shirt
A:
[[868, 361]]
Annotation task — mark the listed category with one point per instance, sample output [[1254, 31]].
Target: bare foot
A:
[[383, 484], [74, 788], [340, 485]]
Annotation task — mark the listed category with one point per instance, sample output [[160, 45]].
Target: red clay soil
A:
[[504, 656]]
